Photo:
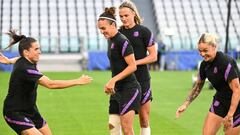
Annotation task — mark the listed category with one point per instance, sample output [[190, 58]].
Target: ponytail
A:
[[14, 38], [24, 42]]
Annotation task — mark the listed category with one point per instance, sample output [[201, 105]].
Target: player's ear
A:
[[215, 47], [114, 24], [25, 52]]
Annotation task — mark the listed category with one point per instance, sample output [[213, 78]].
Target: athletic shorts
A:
[[221, 109], [23, 120], [125, 100], [146, 91]]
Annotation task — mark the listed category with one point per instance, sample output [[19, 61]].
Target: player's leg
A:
[[114, 123], [39, 122], [31, 131], [129, 104], [233, 131], [212, 124], [127, 122], [236, 124], [144, 117], [45, 130], [144, 114]]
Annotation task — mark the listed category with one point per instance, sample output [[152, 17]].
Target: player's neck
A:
[[30, 60], [114, 33], [130, 26]]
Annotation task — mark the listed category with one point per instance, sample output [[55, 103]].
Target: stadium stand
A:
[[69, 26], [189, 18], [62, 26]]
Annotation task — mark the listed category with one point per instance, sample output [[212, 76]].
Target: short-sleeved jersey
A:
[[119, 47], [219, 72], [141, 38], [22, 91]]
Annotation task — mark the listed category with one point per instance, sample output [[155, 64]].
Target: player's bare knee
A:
[[126, 130], [144, 124]]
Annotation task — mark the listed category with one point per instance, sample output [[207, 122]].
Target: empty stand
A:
[[189, 18], [59, 25], [70, 25]]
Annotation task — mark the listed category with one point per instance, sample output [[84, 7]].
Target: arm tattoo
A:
[[195, 91]]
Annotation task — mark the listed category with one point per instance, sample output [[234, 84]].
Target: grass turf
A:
[[83, 110]]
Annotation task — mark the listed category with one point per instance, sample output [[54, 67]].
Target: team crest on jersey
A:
[[112, 45], [216, 103], [215, 70], [136, 34]]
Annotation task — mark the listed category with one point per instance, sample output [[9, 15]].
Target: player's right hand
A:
[[109, 91], [109, 87], [181, 109]]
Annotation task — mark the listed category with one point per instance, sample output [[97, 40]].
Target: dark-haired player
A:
[[20, 110], [123, 86]]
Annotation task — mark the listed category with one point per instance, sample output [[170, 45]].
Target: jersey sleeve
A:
[[230, 71], [32, 75], [148, 38], [201, 72], [126, 48]]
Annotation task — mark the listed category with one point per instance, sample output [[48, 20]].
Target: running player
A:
[[222, 71]]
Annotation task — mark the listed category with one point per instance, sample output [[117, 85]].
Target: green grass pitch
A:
[[83, 110]]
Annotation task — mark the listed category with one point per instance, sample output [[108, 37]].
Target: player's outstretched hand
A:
[[84, 79], [180, 110], [4, 59]]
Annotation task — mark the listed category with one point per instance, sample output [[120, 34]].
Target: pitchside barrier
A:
[[174, 60]]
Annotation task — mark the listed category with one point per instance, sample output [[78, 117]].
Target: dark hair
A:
[[108, 14], [24, 42]]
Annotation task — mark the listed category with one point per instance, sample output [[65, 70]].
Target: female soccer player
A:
[[20, 110], [222, 71], [123, 86], [143, 42]]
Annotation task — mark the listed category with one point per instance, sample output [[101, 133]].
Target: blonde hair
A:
[[208, 38], [132, 6]]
